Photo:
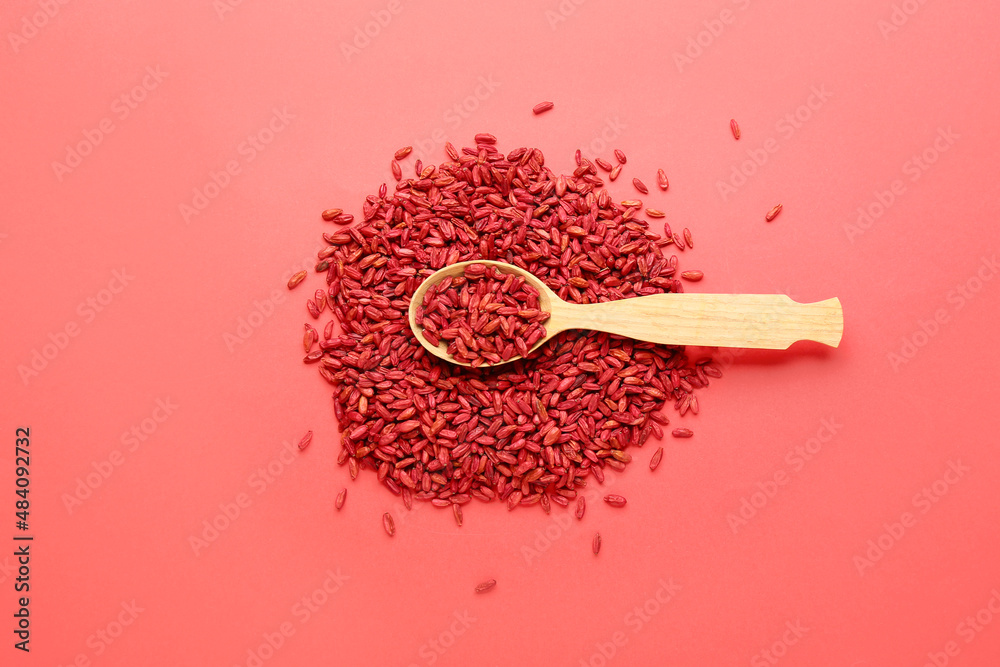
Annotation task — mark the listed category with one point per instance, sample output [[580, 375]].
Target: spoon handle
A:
[[767, 321]]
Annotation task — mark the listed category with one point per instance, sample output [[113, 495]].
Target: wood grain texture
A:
[[764, 321]]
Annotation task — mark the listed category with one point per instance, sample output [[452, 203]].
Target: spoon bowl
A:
[[763, 321], [547, 301]]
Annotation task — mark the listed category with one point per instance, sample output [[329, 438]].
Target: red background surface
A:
[[904, 125]]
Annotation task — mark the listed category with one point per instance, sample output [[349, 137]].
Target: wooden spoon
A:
[[766, 321]]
